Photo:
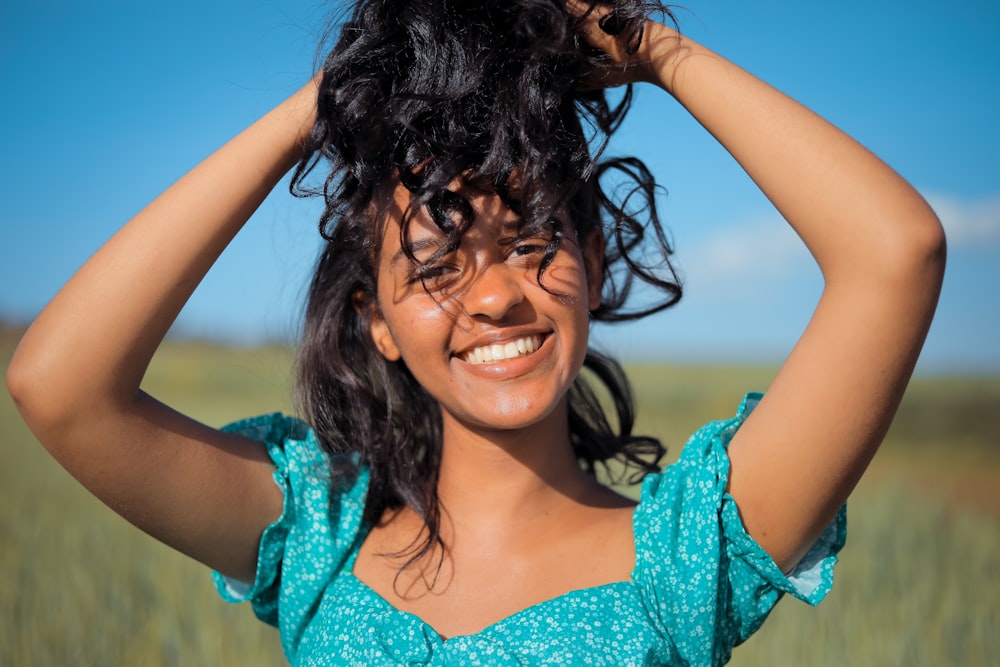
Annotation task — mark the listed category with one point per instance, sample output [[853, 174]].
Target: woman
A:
[[469, 244]]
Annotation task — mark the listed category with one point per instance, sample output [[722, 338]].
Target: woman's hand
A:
[[621, 62]]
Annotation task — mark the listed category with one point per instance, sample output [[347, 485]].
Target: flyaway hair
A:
[[491, 93]]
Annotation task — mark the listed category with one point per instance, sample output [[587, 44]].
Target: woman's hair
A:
[[427, 93]]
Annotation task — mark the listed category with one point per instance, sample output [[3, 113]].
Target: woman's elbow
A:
[[931, 245], [915, 253], [38, 391]]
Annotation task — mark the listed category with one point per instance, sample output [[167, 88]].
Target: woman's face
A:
[[496, 349]]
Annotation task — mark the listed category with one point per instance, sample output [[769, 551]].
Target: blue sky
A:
[[106, 103]]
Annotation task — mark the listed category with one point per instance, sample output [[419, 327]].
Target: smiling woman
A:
[[509, 341], [439, 502]]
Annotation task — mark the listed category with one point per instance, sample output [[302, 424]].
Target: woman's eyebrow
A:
[[512, 225], [414, 248]]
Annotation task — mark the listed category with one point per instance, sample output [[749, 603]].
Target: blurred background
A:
[[106, 103]]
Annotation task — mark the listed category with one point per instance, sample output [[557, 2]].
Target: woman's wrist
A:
[[661, 52], [298, 115]]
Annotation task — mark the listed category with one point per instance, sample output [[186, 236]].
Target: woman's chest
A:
[[478, 582]]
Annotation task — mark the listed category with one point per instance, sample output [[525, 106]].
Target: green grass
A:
[[918, 584]]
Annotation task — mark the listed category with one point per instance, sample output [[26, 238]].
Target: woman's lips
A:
[[503, 351]]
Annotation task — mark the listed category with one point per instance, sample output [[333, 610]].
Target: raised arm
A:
[[881, 251], [75, 375]]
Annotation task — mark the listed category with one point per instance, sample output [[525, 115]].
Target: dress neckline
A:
[[379, 600], [371, 593]]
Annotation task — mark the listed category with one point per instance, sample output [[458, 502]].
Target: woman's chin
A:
[[509, 411]]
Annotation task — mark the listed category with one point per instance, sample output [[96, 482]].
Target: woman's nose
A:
[[494, 292]]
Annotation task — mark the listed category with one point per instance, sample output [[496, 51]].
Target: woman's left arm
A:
[[881, 250]]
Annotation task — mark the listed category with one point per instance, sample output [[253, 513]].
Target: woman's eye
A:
[[433, 272], [432, 275], [529, 249]]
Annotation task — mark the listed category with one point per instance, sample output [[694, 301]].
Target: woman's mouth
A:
[[512, 349]]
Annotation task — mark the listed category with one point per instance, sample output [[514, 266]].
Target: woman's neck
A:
[[510, 478], [515, 505]]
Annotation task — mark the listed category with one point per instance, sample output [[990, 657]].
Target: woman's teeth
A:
[[503, 351]]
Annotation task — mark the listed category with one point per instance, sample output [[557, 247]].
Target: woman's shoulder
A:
[[324, 487], [291, 441], [693, 552], [323, 512], [271, 428], [703, 463]]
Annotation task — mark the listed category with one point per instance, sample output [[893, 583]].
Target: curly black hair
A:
[[427, 93]]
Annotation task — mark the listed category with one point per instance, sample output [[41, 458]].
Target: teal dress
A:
[[700, 585]]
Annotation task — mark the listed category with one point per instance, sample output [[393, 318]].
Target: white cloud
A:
[[765, 249], [968, 222], [762, 249]]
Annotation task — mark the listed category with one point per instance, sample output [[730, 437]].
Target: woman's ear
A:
[[593, 261], [377, 326], [383, 339]]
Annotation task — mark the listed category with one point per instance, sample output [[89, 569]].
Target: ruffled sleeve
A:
[[312, 539], [706, 583]]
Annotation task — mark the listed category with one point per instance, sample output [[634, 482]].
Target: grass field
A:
[[918, 583]]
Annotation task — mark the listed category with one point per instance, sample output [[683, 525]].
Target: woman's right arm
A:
[[75, 375]]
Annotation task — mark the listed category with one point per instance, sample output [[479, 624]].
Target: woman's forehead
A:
[[409, 231], [489, 213]]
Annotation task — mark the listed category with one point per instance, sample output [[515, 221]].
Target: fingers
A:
[[624, 45]]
